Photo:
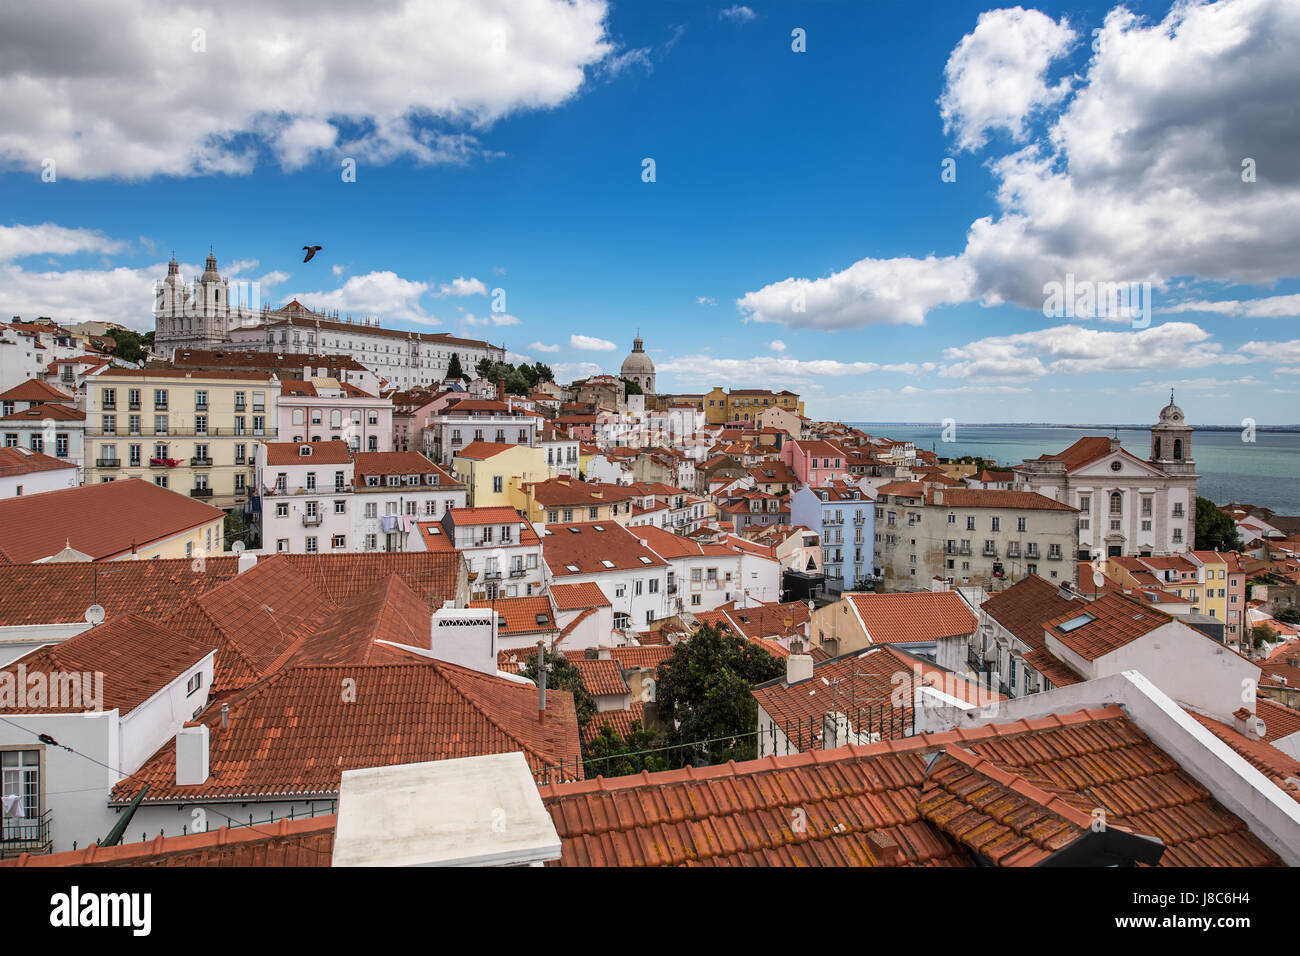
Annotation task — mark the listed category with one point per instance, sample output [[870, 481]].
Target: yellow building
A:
[[564, 501], [746, 404], [488, 470], [192, 432]]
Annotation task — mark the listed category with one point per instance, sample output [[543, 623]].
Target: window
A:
[[996, 524], [372, 509], [371, 542], [1116, 503], [20, 775], [194, 683], [497, 483], [61, 445], [200, 399], [109, 425], [1022, 524], [282, 509], [311, 545], [338, 541], [159, 398], [970, 522]]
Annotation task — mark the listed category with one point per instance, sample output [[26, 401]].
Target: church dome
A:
[[638, 362]]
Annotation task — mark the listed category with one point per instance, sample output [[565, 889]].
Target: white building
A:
[[1126, 505], [621, 564], [320, 497], [704, 576], [25, 472], [502, 551]]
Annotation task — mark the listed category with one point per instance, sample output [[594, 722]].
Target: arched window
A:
[[1157, 454], [1116, 503], [1178, 449]]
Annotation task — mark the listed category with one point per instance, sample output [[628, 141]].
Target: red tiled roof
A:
[[482, 450], [285, 843], [586, 548], [52, 411], [1054, 669], [468, 517], [520, 615], [1117, 620], [1278, 766], [137, 657], [572, 597], [389, 612], [640, 658], [601, 678], [906, 489], [102, 520], [742, 814], [20, 461], [622, 722], [396, 463], [917, 617], [1279, 721], [159, 371], [994, 498], [294, 734], [35, 390], [320, 453], [873, 688], [1026, 607]]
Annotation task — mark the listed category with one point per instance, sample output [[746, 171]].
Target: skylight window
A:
[[644, 559], [572, 567], [1075, 623], [607, 563]]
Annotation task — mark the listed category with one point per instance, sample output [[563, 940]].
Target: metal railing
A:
[[26, 836], [200, 492], [108, 463], [312, 520]]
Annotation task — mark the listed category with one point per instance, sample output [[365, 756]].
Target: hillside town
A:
[[294, 588]]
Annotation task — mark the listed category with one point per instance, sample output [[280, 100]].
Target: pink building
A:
[[816, 462]]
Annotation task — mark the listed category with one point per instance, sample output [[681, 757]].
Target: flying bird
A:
[[311, 251]]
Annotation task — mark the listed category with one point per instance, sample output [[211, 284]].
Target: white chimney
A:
[[465, 636], [247, 562], [798, 667], [192, 755]]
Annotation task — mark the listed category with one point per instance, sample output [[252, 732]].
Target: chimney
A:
[[1066, 591], [225, 715], [541, 680], [246, 562], [1247, 724], [798, 667], [192, 755], [602, 653], [885, 849]]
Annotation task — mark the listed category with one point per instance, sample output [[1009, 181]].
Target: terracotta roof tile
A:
[[915, 617], [1054, 669], [1026, 606], [572, 597], [584, 548], [318, 453], [622, 722], [102, 520], [294, 734], [20, 461], [602, 678], [994, 498], [35, 390], [1117, 620], [137, 657], [51, 411], [521, 615]]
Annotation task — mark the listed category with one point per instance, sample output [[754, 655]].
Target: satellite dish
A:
[[95, 615], [237, 547]]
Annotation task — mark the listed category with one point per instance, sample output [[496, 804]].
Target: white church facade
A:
[[1127, 505], [202, 315]]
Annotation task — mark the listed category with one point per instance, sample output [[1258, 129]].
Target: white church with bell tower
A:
[[1127, 505]]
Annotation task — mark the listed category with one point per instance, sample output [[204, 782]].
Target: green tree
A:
[[544, 373], [613, 755], [563, 676], [1262, 634], [703, 691], [453, 367], [516, 384], [236, 527], [1214, 529], [130, 346], [631, 388], [482, 367]]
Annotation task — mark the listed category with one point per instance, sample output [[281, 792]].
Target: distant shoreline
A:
[[1147, 427]]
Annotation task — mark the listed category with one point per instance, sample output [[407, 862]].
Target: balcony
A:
[[160, 407], [672, 589], [517, 572], [312, 521], [108, 463], [201, 492], [26, 836], [201, 462], [133, 406], [964, 549], [1013, 551], [1032, 554], [491, 575], [832, 521], [110, 406], [1053, 556], [989, 552]]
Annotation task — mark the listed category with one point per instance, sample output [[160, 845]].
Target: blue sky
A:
[[798, 233]]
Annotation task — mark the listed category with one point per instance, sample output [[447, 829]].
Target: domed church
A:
[[638, 367]]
